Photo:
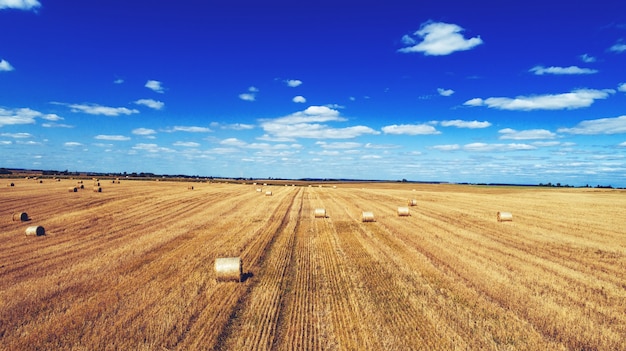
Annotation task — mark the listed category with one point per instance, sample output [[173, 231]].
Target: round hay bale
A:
[[20, 216], [190, 187], [11, 184], [82, 186], [320, 213], [72, 189], [228, 269], [97, 189], [268, 193], [412, 202], [505, 216], [35, 230], [258, 190], [367, 217], [403, 211]]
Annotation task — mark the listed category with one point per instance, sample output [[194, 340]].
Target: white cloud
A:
[[448, 147], [155, 85], [112, 137], [153, 104], [94, 109], [622, 144], [118, 81], [17, 135], [233, 126], [52, 117], [186, 144], [540, 70], [151, 148], [622, 87], [143, 131], [72, 144], [299, 99], [465, 124], [189, 129], [305, 124], [19, 4], [618, 47], [410, 129], [483, 147], [587, 58], [18, 116], [5, 66], [338, 145], [615, 125], [247, 97], [293, 83], [567, 101], [529, 134], [445, 92], [439, 39]]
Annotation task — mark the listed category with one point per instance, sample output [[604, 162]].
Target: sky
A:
[[522, 92]]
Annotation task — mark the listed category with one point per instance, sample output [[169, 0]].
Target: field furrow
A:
[[131, 267]]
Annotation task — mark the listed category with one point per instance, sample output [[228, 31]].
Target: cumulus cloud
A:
[[540, 70], [153, 148], [448, 147], [5, 66], [618, 48], [445, 92], [587, 58], [153, 104], [567, 101], [94, 109], [18, 116], [299, 99], [338, 145], [438, 38], [17, 135], [189, 129], [306, 124], [615, 125], [622, 87], [250, 95], [20, 4], [529, 134], [143, 131], [155, 86], [112, 137], [465, 124], [410, 129], [233, 126], [186, 144], [484, 147], [293, 83]]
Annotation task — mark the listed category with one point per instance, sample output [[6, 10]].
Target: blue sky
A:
[[482, 91]]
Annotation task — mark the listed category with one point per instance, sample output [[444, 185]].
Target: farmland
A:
[[131, 267]]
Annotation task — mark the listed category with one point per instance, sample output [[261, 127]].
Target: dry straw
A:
[[35, 230], [412, 202], [368, 217], [403, 211], [20, 216], [505, 216], [228, 269], [320, 213]]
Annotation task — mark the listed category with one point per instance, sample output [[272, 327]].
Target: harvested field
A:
[[133, 268]]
